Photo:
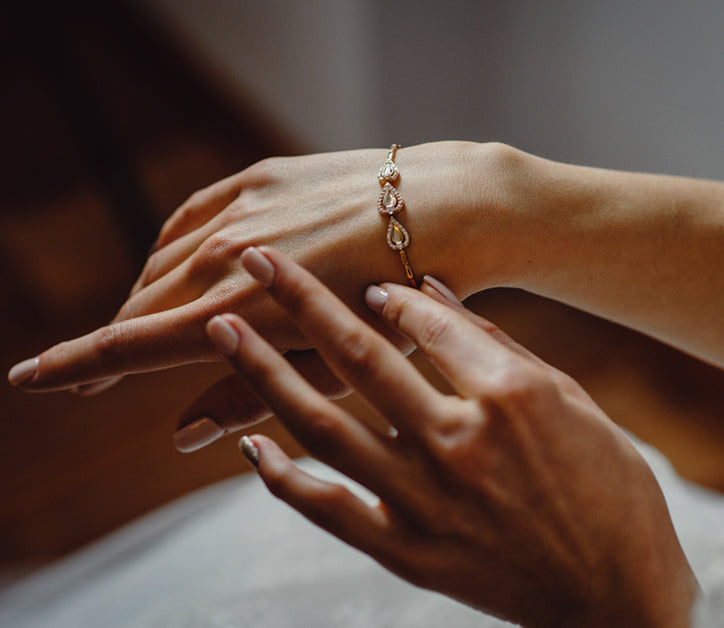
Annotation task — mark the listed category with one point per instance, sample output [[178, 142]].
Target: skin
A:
[[639, 249], [516, 495], [471, 499]]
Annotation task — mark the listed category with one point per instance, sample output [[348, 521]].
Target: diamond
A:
[[390, 201], [397, 236], [389, 172]]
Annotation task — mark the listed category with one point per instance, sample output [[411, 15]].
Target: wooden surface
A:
[[71, 468]]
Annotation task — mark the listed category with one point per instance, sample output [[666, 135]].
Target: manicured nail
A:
[[197, 435], [23, 372], [95, 387], [376, 297], [250, 450], [440, 288], [258, 266], [223, 335]]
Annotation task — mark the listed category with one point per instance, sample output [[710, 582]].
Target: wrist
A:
[[469, 208]]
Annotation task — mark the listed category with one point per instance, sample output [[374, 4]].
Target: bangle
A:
[[389, 203]]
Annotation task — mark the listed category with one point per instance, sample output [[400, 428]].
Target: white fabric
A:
[[233, 556], [709, 610]]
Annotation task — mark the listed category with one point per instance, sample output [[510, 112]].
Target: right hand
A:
[[514, 494]]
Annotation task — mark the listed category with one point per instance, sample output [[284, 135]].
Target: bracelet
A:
[[389, 203]]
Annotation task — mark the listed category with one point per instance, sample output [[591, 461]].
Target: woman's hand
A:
[[320, 210], [516, 495], [642, 250]]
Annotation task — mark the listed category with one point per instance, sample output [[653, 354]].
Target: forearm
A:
[[643, 250]]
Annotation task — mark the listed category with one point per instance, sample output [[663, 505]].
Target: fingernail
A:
[[95, 387], [440, 288], [223, 335], [197, 435], [23, 372], [250, 450], [258, 266], [376, 297]]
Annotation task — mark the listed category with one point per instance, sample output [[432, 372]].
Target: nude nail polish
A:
[[223, 335], [376, 297], [23, 372], [258, 266], [440, 288], [197, 435]]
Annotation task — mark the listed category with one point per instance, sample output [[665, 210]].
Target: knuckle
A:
[[456, 446], [298, 298], [214, 252], [321, 436], [267, 169], [520, 386], [359, 357], [111, 344], [435, 327], [398, 308]]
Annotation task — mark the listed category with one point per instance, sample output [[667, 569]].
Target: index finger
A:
[[137, 345], [354, 351]]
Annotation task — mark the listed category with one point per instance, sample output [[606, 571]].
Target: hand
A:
[[319, 209], [516, 495]]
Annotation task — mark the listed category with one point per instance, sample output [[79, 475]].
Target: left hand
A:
[[516, 495]]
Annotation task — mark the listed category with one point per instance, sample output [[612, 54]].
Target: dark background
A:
[[105, 130]]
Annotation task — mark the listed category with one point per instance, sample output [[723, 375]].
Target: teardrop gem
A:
[[389, 172], [389, 201], [397, 236]]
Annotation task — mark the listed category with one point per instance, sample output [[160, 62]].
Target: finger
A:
[[142, 344], [324, 429], [332, 507], [172, 291], [231, 404], [355, 352], [441, 293], [199, 208], [165, 260], [465, 353]]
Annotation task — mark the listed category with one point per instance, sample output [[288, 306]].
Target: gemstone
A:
[[388, 172], [390, 200], [397, 236]]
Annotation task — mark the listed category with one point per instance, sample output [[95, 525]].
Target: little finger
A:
[[330, 506]]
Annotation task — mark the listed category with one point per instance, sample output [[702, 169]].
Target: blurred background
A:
[[114, 112]]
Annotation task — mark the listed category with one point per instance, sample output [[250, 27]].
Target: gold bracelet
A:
[[389, 203]]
